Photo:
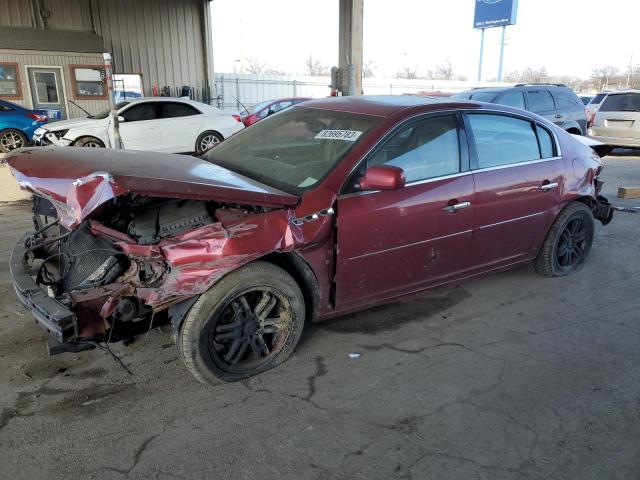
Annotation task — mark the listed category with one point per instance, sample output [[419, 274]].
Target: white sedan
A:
[[159, 124]]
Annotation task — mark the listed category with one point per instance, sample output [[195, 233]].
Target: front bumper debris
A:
[[51, 315]]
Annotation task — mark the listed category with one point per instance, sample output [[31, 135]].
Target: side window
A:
[[177, 109], [512, 99], [566, 100], [426, 149], [547, 144], [143, 111], [285, 104], [501, 140], [540, 101]]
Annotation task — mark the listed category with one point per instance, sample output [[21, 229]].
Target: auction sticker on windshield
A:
[[347, 135]]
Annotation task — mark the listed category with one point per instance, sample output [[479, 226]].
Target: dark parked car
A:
[[557, 103], [17, 125], [269, 107], [324, 209]]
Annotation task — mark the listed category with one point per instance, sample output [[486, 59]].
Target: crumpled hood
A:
[[73, 122], [83, 179]]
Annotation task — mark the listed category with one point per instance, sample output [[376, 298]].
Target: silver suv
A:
[[556, 102], [617, 121]]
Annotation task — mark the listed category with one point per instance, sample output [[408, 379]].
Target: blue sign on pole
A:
[[495, 13]]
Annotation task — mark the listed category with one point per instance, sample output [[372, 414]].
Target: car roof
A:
[[621, 92], [377, 105]]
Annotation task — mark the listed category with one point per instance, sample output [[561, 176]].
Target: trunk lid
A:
[[84, 179]]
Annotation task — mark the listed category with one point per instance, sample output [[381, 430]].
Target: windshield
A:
[[597, 99], [105, 114], [294, 149]]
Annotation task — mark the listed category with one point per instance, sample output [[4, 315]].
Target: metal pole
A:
[[108, 72], [481, 53], [504, 29], [630, 68]]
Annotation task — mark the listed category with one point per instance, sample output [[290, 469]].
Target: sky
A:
[[568, 37]]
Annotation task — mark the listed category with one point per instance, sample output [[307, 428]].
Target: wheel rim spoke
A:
[[249, 330]]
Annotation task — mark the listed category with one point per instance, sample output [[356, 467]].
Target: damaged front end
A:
[[117, 274], [115, 254]]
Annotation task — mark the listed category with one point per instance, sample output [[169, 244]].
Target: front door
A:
[[518, 180], [396, 242], [46, 91]]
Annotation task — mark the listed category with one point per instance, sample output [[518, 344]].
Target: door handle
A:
[[458, 206], [545, 187]]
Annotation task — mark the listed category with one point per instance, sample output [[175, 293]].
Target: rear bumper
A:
[[616, 141], [51, 315]]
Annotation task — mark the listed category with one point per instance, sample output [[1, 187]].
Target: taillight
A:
[[237, 117], [591, 119], [37, 117]]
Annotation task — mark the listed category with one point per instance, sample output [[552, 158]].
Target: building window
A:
[[10, 81], [88, 82]]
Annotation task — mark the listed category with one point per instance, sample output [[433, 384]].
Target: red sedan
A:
[[324, 209]]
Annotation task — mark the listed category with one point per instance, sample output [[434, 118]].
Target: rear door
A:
[[140, 129], [179, 126], [395, 242], [518, 177], [619, 117]]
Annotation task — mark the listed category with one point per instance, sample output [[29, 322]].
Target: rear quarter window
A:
[[597, 99], [624, 102], [540, 101], [565, 99]]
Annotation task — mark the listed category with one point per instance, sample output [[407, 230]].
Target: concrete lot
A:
[[507, 377]]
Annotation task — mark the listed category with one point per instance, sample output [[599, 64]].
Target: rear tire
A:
[[247, 323], [207, 140], [10, 139], [568, 242], [88, 142]]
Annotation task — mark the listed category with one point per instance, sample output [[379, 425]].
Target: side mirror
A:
[[382, 177], [120, 118]]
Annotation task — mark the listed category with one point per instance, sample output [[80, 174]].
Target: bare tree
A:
[[528, 75], [408, 73], [314, 68], [368, 69], [604, 76], [253, 65], [444, 71]]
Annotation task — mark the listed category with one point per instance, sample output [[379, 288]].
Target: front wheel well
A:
[[304, 276]]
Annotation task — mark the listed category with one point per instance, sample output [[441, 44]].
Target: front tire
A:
[[247, 323], [88, 142], [208, 140], [10, 139], [568, 242]]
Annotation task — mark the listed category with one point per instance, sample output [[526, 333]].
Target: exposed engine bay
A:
[[122, 269]]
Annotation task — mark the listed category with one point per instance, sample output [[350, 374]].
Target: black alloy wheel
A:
[[250, 330]]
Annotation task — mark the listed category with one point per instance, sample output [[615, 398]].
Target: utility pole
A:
[[630, 69], [108, 71], [481, 53], [504, 29]]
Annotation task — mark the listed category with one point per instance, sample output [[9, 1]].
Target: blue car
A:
[[17, 125]]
